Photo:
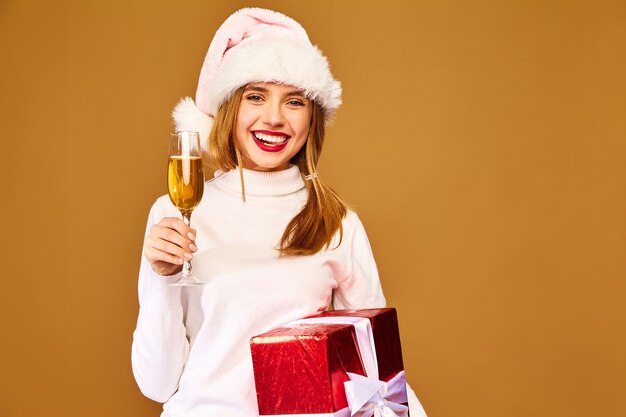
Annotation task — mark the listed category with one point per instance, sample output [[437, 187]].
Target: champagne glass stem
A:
[[186, 263]]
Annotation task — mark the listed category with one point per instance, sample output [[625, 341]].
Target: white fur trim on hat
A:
[[189, 117], [276, 59]]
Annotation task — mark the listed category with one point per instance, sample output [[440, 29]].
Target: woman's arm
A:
[[359, 287], [160, 345]]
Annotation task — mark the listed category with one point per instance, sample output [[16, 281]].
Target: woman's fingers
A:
[[169, 248], [169, 235], [175, 231], [163, 263], [179, 226], [155, 255], [169, 243]]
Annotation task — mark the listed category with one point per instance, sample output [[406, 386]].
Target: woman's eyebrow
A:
[[295, 93], [260, 89], [256, 88]]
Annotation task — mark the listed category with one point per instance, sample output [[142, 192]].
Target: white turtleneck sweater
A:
[[191, 345]]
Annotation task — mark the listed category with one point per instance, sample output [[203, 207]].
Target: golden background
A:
[[483, 144]]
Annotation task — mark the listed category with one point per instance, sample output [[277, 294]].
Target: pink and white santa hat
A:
[[257, 45]]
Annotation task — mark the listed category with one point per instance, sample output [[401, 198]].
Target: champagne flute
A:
[[185, 184]]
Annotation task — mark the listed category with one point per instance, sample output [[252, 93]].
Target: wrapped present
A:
[[338, 363]]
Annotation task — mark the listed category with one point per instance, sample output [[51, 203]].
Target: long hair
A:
[[315, 226]]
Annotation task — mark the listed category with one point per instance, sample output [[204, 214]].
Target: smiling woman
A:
[[272, 125], [273, 242]]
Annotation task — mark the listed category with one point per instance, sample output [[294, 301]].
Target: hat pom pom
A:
[[187, 116]]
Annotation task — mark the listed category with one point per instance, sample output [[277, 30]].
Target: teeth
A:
[[271, 139]]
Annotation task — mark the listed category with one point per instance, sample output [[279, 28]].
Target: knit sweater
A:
[[191, 345]]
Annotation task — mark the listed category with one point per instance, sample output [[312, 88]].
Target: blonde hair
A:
[[314, 227]]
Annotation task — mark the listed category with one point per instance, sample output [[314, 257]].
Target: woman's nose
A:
[[273, 114]]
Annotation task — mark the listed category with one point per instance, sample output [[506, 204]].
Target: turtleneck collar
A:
[[258, 183]]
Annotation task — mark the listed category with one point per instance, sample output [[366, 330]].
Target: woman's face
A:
[[272, 125]]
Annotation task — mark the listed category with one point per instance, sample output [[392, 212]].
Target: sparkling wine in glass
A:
[[185, 184]]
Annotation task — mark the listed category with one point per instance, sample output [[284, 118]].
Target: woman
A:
[[271, 240]]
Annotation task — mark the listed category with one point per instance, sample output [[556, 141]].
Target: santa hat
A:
[[257, 45]]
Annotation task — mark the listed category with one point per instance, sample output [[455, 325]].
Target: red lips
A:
[[270, 148]]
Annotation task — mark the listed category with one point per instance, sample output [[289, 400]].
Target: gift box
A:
[[338, 363]]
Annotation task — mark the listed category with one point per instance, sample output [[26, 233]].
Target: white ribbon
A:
[[368, 396]]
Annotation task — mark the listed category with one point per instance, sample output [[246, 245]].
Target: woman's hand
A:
[[168, 243]]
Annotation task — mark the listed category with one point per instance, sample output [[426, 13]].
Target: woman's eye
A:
[[295, 102], [254, 97]]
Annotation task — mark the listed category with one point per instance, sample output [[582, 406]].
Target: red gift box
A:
[[338, 363]]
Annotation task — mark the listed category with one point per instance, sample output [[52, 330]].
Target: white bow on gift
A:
[[368, 396]]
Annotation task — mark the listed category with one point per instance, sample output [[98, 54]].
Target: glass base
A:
[[187, 281]]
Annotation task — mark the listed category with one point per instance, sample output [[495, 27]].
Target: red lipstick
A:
[[270, 148]]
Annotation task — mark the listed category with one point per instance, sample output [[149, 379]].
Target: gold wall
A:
[[482, 142]]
